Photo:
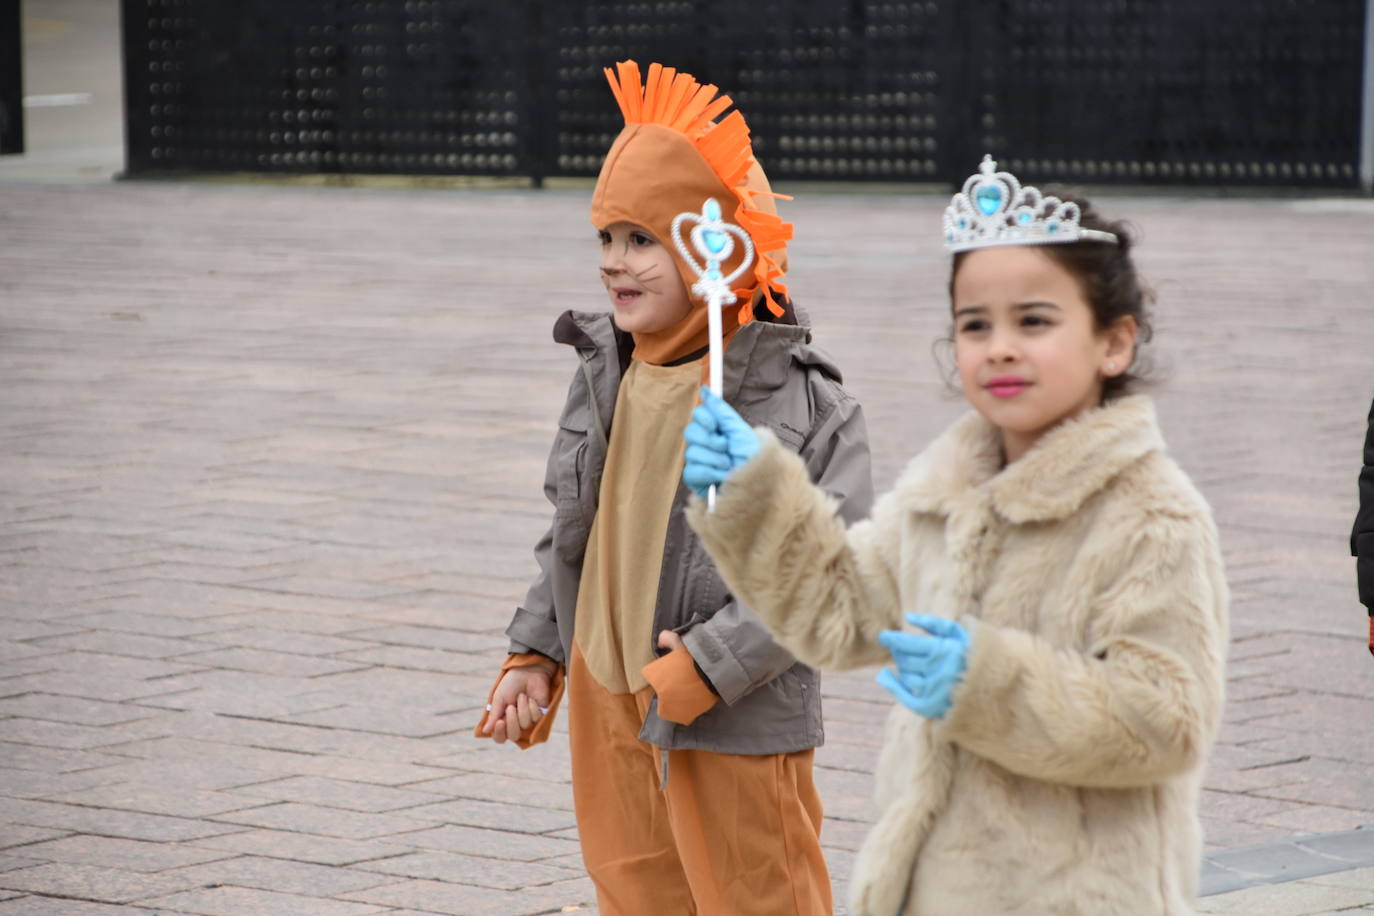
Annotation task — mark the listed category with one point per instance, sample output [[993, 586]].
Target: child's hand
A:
[[671, 641], [718, 442], [928, 667], [520, 700]]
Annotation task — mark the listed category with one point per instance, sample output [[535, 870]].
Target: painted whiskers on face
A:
[[641, 279]]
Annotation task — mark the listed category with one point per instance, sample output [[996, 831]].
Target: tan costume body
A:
[[729, 834]]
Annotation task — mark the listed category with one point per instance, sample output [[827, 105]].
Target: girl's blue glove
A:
[[718, 441], [928, 667]]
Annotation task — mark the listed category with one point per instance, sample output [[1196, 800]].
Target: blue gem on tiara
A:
[[995, 209], [989, 197]]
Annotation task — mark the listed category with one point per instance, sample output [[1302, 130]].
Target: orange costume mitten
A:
[[540, 732], [682, 694]]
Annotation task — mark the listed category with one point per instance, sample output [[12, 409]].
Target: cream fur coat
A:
[[1064, 780]]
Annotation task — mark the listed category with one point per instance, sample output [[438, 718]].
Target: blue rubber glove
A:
[[928, 667], [718, 441]]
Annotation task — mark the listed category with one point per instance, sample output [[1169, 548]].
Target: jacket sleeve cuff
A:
[[541, 730], [718, 663], [529, 632], [682, 694]]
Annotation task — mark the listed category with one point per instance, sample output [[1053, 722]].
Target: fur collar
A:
[[1051, 481]]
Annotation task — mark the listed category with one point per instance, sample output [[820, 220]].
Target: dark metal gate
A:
[[1111, 91], [11, 79]]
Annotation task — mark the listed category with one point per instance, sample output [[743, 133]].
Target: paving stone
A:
[[287, 877], [1279, 861], [90, 687], [325, 821], [151, 624], [54, 708], [127, 644], [279, 762], [415, 659], [1354, 846], [473, 870], [333, 793], [846, 795], [1355, 877], [16, 630], [313, 644], [303, 847], [12, 862], [128, 855], [41, 733], [107, 822], [1221, 834], [97, 664], [386, 720], [544, 793], [16, 836], [1295, 899], [1317, 819], [25, 905], [461, 900], [279, 663], [156, 799], [502, 844], [34, 784], [236, 901], [1217, 879], [842, 834], [519, 818], [88, 882], [451, 640]]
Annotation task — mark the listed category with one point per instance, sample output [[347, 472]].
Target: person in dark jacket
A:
[[1362, 536]]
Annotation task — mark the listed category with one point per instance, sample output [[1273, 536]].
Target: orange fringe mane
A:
[[678, 101]]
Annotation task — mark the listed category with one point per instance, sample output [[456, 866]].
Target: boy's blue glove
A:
[[928, 667], [718, 441]]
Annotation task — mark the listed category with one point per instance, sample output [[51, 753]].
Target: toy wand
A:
[[713, 240]]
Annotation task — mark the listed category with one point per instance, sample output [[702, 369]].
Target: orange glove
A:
[[682, 694], [539, 732]]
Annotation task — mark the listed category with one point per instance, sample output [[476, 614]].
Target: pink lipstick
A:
[[1007, 386]]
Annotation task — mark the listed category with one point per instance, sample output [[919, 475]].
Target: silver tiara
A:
[[994, 209]]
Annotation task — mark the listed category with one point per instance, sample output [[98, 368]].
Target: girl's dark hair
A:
[[1108, 277]]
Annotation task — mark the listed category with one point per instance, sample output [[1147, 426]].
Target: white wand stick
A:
[[714, 240]]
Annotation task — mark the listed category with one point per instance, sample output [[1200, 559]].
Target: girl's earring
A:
[[1111, 367]]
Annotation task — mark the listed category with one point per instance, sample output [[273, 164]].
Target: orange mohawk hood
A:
[[671, 156]]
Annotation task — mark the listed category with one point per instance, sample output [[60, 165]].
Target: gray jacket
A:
[[770, 702]]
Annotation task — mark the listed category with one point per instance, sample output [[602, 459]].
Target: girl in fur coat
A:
[[1059, 673]]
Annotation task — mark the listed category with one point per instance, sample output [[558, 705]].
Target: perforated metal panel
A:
[[415, 86], [831, 91], [1137, 91], [1141, 91]]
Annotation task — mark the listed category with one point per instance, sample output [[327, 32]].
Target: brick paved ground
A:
[[271, 463]]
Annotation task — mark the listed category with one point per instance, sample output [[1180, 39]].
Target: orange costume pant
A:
[[730, 834]]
